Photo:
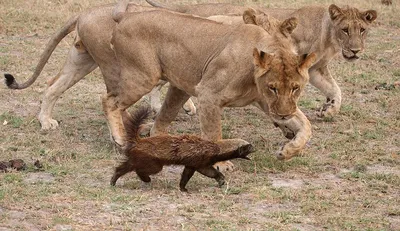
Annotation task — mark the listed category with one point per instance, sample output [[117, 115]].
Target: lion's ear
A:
[[307, 62], [262, 59], [260, 19], [288, 26], [335, 11], [370, 15], [249, 16]]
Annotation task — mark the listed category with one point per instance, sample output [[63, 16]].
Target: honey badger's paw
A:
[[330, 108], [224, 166]]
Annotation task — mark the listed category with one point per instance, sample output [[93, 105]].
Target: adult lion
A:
[[91, 49], [325, 32], [222, 65]]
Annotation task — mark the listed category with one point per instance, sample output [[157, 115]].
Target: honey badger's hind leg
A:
[[211, 172], [186, 175], [78, 64], [147, 167], [144, 177]]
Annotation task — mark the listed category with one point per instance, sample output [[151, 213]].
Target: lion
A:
[[222, 65], [91, 49], [324, 32]]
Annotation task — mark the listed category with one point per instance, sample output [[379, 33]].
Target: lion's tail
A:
[[51, 45], [175, 8], [132, 125], [119, 10]]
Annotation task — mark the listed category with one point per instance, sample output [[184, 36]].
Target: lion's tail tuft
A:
[[10, 81]]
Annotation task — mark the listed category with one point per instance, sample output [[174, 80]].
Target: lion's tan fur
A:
[[209, 60], [320, 30]]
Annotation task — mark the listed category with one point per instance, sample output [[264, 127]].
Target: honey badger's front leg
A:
[[300, 127]]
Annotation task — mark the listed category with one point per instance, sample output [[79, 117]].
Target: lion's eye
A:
[[295, 88], [362, 30], [273, 89], [346, 31]]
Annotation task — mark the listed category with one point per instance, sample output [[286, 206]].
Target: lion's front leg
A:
[[299, 129], [322, 79], [210, 123]]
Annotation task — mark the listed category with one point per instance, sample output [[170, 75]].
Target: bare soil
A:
[[347, 179]]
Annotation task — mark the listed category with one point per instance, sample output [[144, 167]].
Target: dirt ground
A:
[[348, 178]]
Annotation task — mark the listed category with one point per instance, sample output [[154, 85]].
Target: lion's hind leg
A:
[[174, 100], [78, 64]]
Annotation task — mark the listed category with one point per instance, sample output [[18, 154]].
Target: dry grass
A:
[[348, 178]]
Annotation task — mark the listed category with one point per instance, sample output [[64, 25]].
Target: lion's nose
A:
[[355, 51], [285, 116]]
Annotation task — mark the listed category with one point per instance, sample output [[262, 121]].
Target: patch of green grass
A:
[[12, 178], [285, 217], [14, 121], [372, 135], [218, 224], [396, 72], [61, 220], [226, 131], [4, 61], [2, 194], [307, 104]]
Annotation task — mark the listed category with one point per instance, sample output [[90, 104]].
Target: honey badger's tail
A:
[[51, 45], [132, 125]]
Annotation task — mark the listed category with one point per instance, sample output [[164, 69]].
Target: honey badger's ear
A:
[[288, 26], [262, 59]]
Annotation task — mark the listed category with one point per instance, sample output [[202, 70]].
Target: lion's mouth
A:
[[282, 117], [349, 57]]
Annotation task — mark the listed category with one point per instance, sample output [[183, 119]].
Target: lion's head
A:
[[351, 27], [280, 79], [280, 74]]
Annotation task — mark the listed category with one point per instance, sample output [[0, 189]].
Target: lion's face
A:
[[351, 27], [280, 79]]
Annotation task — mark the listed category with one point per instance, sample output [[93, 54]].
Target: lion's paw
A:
[[224, 166], [286, 152], [289, 134], [189, 107], [49, 124], [144, 129], [329, 109]]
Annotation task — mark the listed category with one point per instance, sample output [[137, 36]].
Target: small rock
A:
[[33, 178], [63, 227]]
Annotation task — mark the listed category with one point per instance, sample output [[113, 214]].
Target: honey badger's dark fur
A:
[[147, 156]]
